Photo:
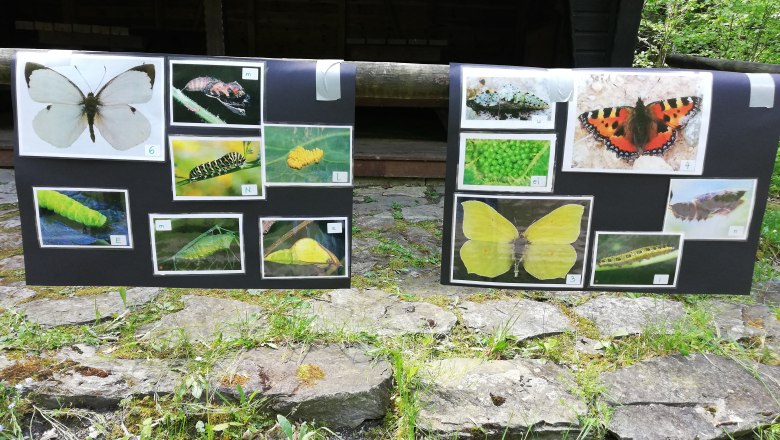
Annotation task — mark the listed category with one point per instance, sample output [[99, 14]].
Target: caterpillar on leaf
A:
[[224, 165], [636, 255], [196, 252], [66, 207]]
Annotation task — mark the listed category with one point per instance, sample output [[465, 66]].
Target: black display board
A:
[[742, 143], [289, 98]]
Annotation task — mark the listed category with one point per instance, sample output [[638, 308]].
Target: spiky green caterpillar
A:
[[72, 210], [635, 255]]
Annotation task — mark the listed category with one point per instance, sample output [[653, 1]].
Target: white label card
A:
[[153, 150], [538, 180], [687, 165], [334, 228], [340, 176], [249, 189], [252, 73], [118, 240], [661, 278], [162, 225], [736, 231], [574, 279]]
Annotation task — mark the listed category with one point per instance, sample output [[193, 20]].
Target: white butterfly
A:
[[68, 111]]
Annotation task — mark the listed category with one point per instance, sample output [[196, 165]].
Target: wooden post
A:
[[215, 34]]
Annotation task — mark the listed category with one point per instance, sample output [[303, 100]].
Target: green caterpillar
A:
[[72, 210], [214, 240], [635, 255]]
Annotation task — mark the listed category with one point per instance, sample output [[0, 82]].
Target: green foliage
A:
[[728, 29]]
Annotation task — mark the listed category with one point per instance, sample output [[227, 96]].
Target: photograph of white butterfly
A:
[[90, 106]]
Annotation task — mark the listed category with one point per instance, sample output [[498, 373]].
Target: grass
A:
[[196, 410]]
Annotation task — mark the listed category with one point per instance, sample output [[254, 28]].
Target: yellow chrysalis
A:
[[490, 250], [304, 251]]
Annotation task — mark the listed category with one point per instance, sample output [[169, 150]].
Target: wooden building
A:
[[395, 135]]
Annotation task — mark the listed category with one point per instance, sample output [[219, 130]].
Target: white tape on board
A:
[[762, 90], [328, 80], [560, 84]]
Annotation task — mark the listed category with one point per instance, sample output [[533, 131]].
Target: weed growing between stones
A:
[[13, 408], [16, 333]]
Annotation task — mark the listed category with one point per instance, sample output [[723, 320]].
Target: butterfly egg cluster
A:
[[505, 161], [300, 157]]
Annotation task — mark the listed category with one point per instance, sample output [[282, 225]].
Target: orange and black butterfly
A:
[[643, 129]]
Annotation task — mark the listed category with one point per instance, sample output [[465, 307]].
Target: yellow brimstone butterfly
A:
[[304, 251], [490, 250]]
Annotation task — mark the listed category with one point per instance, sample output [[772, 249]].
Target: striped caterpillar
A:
[[72, 210], [224, 165], [231, 94], [196, 252], [635, 255], [300, 157], [707, 205]]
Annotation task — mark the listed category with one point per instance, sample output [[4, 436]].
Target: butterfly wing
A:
[[546, 261], [668, 116], [560, 226], [611, 126], [490, 250], [63, 120], [487, 258], [121, 124], [482, 222]]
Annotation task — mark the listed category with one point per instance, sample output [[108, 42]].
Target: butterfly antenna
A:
[[103, 77], [82, 77]]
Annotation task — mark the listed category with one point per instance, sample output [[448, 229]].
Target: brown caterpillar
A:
[[231, 94], [707, 205], [634, 255]]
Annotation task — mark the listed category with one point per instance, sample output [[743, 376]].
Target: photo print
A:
[[82, 218], [506, 162], [304, 247], [81, 106], [506, 99], [217, 93], [308, 155], [190, 244], [217, 168], [636, 259], [644, 123], [710, 209], [517, 241]]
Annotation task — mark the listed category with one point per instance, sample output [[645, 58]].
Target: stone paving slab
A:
[[376, 312], [12, 263], [724, 394], [339, 386], [85, 309], [740, 322], [475, 399], [79, 376], [427, 282], [616, 316], [13, 294], [203, 319], [520, 318], [7, 186]]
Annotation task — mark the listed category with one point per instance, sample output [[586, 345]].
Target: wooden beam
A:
[[629, 14], [377, 83], [694, 62]]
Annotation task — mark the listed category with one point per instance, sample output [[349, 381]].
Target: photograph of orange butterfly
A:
[[90, 106], [518, 241], [648, 123], [304, 247]]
